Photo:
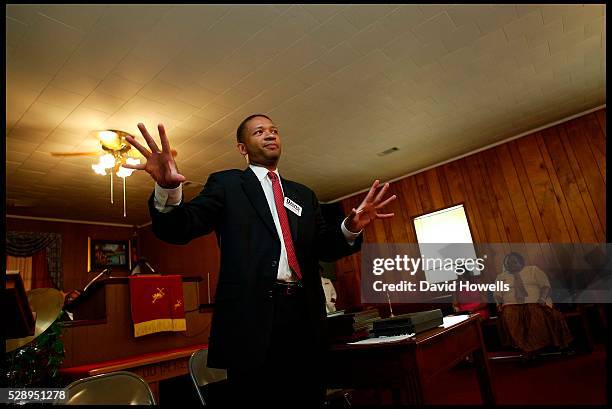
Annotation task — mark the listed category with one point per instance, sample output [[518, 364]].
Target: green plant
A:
[[37, 363]]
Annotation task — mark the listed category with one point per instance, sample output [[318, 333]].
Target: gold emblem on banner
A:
[[158, 295]]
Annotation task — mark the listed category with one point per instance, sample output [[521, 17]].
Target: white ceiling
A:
[[343, 82]]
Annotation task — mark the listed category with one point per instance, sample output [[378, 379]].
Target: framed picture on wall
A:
[[109, 253]]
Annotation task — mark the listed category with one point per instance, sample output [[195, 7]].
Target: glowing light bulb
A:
[[99, 169], [124, 172], [110, 139], [132, 161], [107, 161]]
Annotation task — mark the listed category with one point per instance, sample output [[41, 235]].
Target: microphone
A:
[[390, 307], [141, 262], [106, 271]]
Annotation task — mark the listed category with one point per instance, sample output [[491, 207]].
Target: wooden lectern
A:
[[20, 321], [101, 339]]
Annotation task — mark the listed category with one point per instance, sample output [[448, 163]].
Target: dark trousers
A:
[[291, 375]]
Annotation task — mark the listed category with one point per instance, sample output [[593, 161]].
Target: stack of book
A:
[[407, 323], [351, 326]]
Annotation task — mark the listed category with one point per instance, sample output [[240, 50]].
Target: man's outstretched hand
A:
[[368, 209], [160, 164]]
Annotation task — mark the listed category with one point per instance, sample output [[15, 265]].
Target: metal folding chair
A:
[[202, 376], [113, 388]]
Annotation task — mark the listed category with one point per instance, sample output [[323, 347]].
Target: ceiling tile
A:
[[526, 25], [119, 87], [403, 19], [376, 36], [404, 45], [137, 70], [103, 102], [61, 98], [75, 82], [81, 17], [323, 12], [472, 75], [196, 95], [439, 26], [362, 15], [333, 32], [15, 31], [159, 91]]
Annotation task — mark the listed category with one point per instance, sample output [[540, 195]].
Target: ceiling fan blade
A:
[[136, 154], [75, 153]]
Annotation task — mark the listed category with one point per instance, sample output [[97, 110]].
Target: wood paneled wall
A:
[[74, 244], [198, 258], [545, 187]]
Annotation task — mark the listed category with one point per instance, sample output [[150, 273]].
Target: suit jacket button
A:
[[270, 293], [274, 263]]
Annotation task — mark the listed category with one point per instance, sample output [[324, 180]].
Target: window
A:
[[438, 234]]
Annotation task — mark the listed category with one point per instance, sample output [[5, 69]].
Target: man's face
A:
[[261, 142], [514, 264]]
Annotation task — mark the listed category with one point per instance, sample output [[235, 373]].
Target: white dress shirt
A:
[[165, 200]]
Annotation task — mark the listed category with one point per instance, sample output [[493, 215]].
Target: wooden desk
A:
[[152, 367], [406, 366]]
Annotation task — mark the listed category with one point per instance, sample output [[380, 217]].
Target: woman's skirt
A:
[[531, 327]]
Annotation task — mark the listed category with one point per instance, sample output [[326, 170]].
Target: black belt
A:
[[288, 288]]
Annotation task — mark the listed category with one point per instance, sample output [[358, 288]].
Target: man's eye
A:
[[258, 131], [275, 130]]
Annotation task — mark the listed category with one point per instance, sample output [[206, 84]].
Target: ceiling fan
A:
[[112, 142], [116, 151]]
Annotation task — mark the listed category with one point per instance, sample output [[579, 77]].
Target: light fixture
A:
[[118, 153]]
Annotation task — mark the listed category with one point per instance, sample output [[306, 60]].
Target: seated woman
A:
[[527, 319], [473, 302]]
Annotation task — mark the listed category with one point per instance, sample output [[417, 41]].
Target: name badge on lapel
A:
[[294, 207]]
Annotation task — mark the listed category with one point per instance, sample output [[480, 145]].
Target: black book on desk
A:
[[347, 324], [408, 323]]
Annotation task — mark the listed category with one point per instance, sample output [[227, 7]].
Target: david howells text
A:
[[407, 286]]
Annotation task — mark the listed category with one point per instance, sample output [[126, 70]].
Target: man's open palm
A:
[[160, 164], [368, 210]]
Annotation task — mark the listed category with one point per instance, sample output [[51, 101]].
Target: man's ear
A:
[[241, 148]]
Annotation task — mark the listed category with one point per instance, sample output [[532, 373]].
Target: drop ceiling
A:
[[343, 82]]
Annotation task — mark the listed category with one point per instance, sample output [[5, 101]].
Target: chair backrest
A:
[[201, 375], [113, 388]]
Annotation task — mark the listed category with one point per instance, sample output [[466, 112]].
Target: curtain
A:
[[40, 272], [24, 266], [27, 244]]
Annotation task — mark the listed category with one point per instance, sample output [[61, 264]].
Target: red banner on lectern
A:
[[157, 304]]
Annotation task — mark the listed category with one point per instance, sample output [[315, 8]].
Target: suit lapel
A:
[[293, 218], [256, 195]]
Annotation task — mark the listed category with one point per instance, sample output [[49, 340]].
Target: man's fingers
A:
[[148, 138], [163, 138], [144, 151], [369, 197], [390, 199], [139, 166], [381, 193], [385, 215], [179, 177]]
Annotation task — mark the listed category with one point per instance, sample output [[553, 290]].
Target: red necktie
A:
[[284, 222]]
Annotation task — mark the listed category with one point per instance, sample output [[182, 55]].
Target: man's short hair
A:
[[240, 130], [516, 255]]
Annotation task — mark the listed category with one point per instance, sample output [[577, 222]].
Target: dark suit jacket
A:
[[233, 204]]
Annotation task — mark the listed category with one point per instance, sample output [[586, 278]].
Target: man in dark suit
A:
[[268, 326]]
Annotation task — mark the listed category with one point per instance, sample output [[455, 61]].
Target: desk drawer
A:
[[440, 353]]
